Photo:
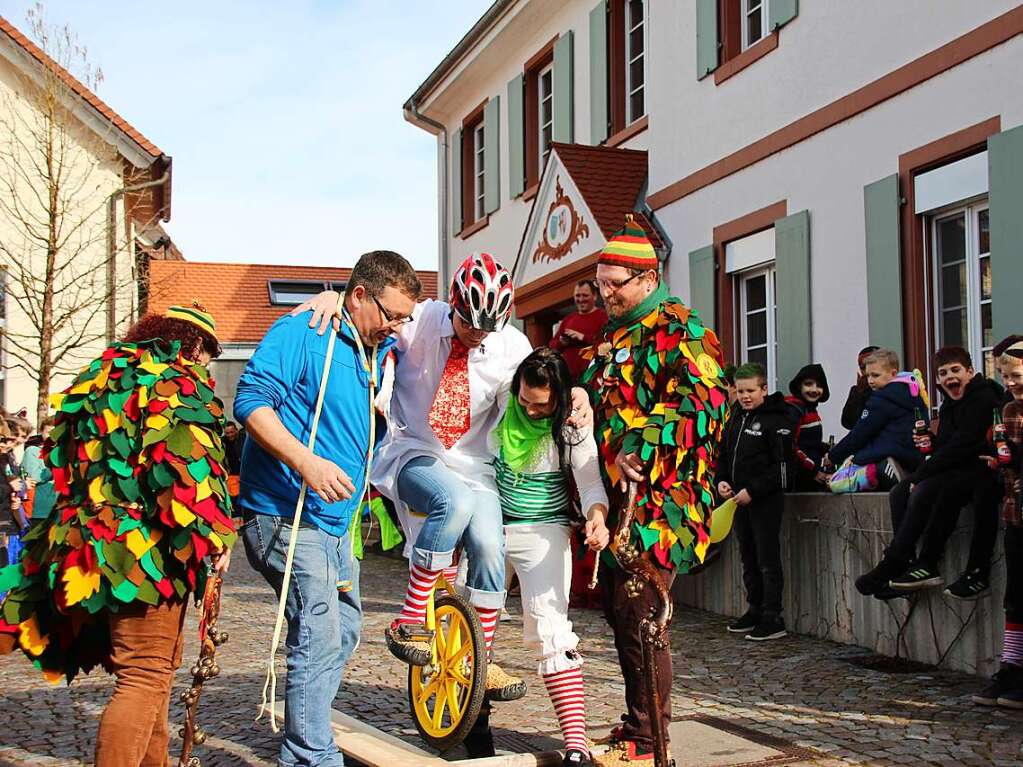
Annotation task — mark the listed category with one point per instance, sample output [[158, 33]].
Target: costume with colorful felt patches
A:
[[658, 392], [139, 470]]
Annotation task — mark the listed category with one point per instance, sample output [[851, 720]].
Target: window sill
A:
[[474, 227], [629, 132], [530, 193], [755, 52]]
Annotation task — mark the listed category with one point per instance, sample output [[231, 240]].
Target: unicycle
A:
[[446, 696]]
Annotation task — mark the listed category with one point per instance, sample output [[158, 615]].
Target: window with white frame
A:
[[545, 110], [754, 18], [635, 56], [758, 315], [961, 265], [478, 155]]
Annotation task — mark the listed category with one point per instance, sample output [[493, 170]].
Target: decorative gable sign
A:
[[564, 228], [560, 230]]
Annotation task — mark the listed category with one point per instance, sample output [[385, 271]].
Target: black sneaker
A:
[[874, 580], [1012, 699], [771, 628], [887, 593], [745, 624], [576, 758], [971, 585], [918, 576], [1007, 679]]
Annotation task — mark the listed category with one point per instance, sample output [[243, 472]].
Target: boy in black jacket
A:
[[752, 469], [953, 476]]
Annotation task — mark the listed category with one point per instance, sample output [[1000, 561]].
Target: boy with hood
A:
[[807, 390], [885, 427], [752, 470], [955, 475]]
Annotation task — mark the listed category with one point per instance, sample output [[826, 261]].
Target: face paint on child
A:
[[810, 390]]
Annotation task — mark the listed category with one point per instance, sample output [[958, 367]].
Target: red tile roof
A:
[[79, 88], [610, 181], [237, 294]]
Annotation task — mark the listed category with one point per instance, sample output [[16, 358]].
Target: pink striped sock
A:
[[1012, 647], [420, 584], [566, 691], [489, 620]]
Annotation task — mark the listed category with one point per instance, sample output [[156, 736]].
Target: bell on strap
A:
[[449, 413]]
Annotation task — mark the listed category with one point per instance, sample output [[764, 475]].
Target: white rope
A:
[[270, 685]]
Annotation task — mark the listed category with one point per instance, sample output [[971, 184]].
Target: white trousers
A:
[[541, 555]]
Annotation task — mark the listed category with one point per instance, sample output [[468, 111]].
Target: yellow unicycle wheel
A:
[[446, 696]]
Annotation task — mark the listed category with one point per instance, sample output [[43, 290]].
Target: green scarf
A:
[[522, 438], [646, 306]]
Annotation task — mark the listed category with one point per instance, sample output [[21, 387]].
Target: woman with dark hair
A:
[[137, 460], [538, 456]]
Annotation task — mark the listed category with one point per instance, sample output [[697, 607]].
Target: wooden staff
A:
[[205, 668]]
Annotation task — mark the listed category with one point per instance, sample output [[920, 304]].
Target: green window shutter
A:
[[792, 293], [564, 85], [492, 155], [456, 181], [1005, 184], [703, 284], [706, 37], [598, 74], [781, 12], [884, 264], [516, 138]]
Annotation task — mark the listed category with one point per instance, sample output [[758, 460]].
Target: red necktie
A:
[[449, 413]]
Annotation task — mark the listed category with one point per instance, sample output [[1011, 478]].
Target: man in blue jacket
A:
[[275, 401]]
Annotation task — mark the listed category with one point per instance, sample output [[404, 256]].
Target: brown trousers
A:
[[624, 613], [146, 650]]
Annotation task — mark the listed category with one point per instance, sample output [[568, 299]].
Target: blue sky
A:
[[283, 118]]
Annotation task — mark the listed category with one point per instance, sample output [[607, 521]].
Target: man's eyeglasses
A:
[[615, 285], [387, 315]]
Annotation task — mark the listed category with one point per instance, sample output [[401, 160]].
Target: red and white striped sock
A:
[[1012, 648], [489, 620], [566, 691], [420, 583], [451, 574]]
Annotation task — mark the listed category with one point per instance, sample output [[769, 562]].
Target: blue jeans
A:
[[456, 513], [324, 618]]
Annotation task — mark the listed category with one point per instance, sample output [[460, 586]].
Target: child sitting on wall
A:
[[953, 476], [879, 449]]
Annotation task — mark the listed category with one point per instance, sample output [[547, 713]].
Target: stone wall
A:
[[827, 542]]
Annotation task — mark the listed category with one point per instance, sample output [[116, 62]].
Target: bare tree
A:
[[58, 247]]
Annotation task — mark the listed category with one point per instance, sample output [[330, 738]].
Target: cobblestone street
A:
[[803, 692]]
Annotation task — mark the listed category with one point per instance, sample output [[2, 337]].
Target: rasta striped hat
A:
[[629, 247], [196, 315]]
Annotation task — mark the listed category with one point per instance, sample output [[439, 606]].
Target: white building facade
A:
[[817, 176]]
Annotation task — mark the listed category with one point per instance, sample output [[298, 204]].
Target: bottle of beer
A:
[[998, 436], [921, 431]]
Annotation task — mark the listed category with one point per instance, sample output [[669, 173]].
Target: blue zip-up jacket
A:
[[885, 428], [284, 375]]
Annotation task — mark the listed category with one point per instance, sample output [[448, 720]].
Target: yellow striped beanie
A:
[[195, 314], [629, 247]]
